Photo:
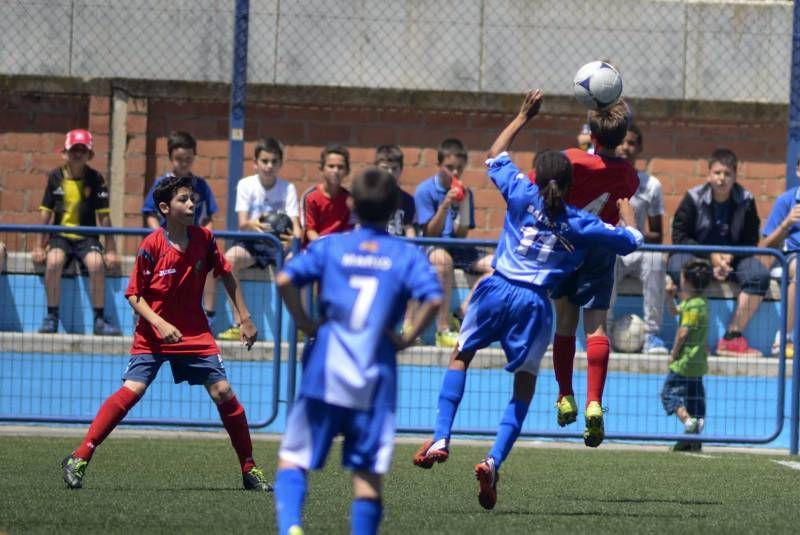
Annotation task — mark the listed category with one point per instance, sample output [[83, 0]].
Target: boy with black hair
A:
[[349, 382], [76, 195], [722, 212], [257, 197], [445, 209], [648, 266], [164, 290], [324, 207], [403, 220], [683, 393], [182, 150]]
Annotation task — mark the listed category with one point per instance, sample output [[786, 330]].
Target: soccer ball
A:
[[277, 223], [598, 85], [627, 334]]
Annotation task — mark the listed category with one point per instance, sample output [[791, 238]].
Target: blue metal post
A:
[[236, 118], [291, 360], [793, 152], [793, 148]]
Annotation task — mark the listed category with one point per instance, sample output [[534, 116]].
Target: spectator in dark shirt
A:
[[722, 212]]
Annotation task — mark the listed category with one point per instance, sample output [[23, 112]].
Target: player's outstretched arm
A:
[[291, 296], [246, 327], [167, 331], [531, 104], [425, 314]]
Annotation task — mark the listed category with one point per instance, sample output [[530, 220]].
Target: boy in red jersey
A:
[[599, 179], [324, 206], [166, 290]]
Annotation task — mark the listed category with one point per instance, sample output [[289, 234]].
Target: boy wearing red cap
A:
[[76, 195]]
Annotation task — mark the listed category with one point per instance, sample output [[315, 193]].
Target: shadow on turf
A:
[[656, 500], [608, 514]]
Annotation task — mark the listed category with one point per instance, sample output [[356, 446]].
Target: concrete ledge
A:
[[21, 263], [427, 356]]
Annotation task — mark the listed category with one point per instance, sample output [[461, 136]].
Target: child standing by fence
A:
[[683, 393]]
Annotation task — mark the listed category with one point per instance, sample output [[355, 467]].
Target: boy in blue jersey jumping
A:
[[543, 240], [349, 378]]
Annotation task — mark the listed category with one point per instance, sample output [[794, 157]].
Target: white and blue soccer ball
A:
[[627, 334], [598, 85]]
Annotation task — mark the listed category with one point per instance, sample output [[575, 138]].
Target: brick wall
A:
[[676, 143]]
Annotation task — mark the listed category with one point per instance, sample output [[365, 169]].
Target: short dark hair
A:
[[633, 127], [168, 188], [610, 126], [725, 157], [270, 145], [553, 177], [698, 273], [180, 140], [451, 147], [335, 148], [375, 194], [389, 153]]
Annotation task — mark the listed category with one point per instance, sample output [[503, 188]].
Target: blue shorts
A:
[[591, 285], [682, 391], [518, 316], [312, 425], [194, 370]]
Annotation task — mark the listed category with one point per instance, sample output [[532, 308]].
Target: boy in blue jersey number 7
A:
[[543, 240], [349, 382]]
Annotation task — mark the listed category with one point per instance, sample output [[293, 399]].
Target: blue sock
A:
[[365, 516], [449, 397], [507, 434], [290, 493]]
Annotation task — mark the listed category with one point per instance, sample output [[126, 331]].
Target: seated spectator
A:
[[76, 195], [182, 150], [325, 208], [648, 266], [445, 209], [782, 231], [722, 212], [402, 221], [258, 196]]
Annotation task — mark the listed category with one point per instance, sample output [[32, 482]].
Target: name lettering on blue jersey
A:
[[382, 263]]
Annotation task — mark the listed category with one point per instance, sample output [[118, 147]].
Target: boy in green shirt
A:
[[683, 393]]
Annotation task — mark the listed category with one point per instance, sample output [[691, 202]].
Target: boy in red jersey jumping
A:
[[599, 179], [166, 290]]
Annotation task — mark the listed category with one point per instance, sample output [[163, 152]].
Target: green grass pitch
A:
[[137, 485]]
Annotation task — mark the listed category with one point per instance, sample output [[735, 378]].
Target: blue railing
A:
[[162, 421], [417, 402]]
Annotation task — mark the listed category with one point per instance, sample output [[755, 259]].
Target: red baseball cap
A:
[[78, 137]]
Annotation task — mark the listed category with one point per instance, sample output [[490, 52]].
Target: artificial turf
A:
[[181, 485]]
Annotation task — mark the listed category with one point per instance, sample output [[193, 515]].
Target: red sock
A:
[[597, 351], [111, 413], [563, 361], [235, 422]]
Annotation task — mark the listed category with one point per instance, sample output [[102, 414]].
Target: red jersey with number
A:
[[172, 282], [323, 214], [598, 182]]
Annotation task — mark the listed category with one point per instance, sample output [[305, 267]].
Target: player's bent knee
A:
[[441, 258], [220, 391], [366, 485], [136, 387]]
